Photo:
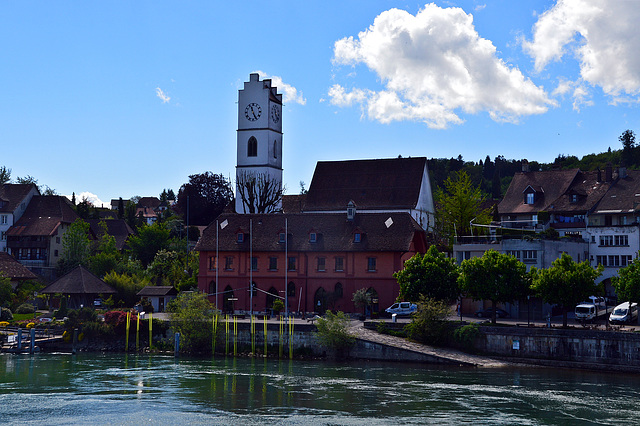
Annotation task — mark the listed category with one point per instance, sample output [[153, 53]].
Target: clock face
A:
[[252, 111], [275, 113]]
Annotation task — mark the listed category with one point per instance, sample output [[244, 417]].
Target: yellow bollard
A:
[[226, 327], [126, 337], [235, 336], [265, 335], [150, 331], [138, 334]]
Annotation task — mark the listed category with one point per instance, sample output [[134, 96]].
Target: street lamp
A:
[[528, 310]]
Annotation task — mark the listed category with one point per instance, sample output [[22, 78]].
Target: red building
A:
[[314, 260]]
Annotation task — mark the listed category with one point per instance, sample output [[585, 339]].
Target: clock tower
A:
[[259, 135]]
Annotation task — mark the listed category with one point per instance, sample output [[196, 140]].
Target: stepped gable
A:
[[79, 281], [371, 184], [333, 231], [623, 196], [43, 216], [551, 184], [12, 194]]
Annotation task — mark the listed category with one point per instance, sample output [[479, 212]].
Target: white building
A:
[[14, 199]]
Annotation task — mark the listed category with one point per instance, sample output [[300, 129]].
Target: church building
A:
[[357, 225]]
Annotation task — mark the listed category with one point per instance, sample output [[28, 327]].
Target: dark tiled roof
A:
[[158, 290], [588, 191], [334, 232], [79, 281], [118, 228], [371, 184], [43, 216], [151, 202], [14, 269], [552, 184], [623, 196], [293, 203], [12, 194]]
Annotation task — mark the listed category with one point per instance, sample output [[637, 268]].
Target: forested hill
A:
[[494, 176]]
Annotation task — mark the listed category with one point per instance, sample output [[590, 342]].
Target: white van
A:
[[586, 312], [624, 312]]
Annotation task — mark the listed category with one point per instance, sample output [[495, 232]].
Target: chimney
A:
[[351, 210], [525, 166], [608, 173]]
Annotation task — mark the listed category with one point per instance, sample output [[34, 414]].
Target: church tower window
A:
[[252, 147]]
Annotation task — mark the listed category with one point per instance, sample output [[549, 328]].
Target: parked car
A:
[[624, 312], [402, 308], [488, 313]]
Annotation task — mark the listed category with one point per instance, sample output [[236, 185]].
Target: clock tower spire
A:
[[259, 164]]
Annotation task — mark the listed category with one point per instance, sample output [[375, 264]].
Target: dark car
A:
[[488, 313]]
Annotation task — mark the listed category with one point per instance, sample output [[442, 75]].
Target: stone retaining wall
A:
[[583, 346]]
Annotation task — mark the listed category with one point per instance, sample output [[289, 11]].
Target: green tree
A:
[[191, 315], [431, 275], [150, 239], [361, 299], [5, 175], [6, 293], [204, 197], [628, 140], [565, 283], [497, 277], [127, 287], [627, 283], [167, 268], [458, 204], [76, 246]]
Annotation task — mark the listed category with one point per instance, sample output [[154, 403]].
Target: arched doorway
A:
[[271, 297], [227, 300], [212, 287], [373, 309], [320, 301]]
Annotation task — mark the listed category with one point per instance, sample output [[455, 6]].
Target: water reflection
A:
[[100, 388]]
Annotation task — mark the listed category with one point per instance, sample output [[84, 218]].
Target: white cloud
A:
[[159, 93], [92, 198], [289, 93], [433, 65], [601, 34]]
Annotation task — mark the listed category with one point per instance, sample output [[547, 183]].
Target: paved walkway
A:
[[358, 330]]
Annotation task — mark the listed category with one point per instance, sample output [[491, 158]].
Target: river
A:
[[136, 389]]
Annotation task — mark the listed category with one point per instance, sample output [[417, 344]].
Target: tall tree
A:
[[628, 140], [458, 204], [5, 175], [431, 275], [627, 283], [204, 197], [120, 208], [150, 240], [497, 277], [259, 193], [565, 283], [76, 246]]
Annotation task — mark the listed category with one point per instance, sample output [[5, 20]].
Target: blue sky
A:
[[117, 98]]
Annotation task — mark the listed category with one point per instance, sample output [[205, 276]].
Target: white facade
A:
[[259, 136], [7, 219]]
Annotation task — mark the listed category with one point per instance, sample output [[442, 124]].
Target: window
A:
[[3, 236], [601, 260], [625, 260], [291, 289], [3, 219], [252, 147], [514, 253], [371, 264], [574, 198], [530, 198], [254, 263], [593, 238], [281, 237], [55, 253], [275, 153], [213, 264], [623, 220], [240, 238], [291, 265], [313, 237], [529, 255], [273, 263], [338, 291], [321, 263], [606, 240], [356, 237], [614, 261], [339, 264], [212, 287], [57, 240], [621, 240]]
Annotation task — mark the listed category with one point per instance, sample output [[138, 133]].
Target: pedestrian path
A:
[[359, 331]]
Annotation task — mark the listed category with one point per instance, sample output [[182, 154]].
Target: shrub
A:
[[118, 320], [6, 314], [383, 328], [25, 308], [466, 334], [333, 333], [429, 324]]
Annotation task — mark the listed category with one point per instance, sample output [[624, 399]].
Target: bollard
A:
[[19, 339], [75, 340], [176, 348], [33, 341], [394, 317]]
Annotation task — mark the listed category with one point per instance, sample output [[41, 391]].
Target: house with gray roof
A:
[[14, 199]]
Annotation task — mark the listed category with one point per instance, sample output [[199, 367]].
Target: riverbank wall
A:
[[586, 348]]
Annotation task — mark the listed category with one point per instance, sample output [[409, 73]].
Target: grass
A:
[[20, 317]]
